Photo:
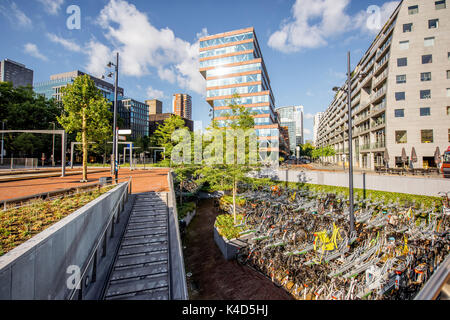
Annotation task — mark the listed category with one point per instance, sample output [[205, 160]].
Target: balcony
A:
[[379, 80], [378, 145], [379, 108], [374, 97], [365, 147], [380, 66]]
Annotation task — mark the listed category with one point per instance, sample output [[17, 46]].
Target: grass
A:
[[18, 225], [403, 198], [184, 209], [226, 227]]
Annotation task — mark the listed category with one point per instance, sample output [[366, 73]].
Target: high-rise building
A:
[[52, 89], [16, 73], [292, 118], [232, 63], [155, 106], [316, 122], [182, 105], [135, 116], [400, 92]]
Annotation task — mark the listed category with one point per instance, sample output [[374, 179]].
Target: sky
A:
[[304, 43]]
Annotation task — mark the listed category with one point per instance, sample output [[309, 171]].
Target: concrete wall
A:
[[178, 285], [401, 184], [37, 269]]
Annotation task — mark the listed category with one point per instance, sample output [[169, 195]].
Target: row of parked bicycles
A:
[[301, 240]]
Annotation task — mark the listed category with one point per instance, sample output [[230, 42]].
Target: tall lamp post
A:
[[53, 146], [115, 159], [350, 138], [3, 128]]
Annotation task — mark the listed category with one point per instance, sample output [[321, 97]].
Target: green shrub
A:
[[184, 209], [229, 200], [225, 226]]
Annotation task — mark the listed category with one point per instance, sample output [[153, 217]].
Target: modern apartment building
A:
[[316, 121], [16, 73], [182, 105], [52, 88], [135, 116], [155, 120], [155, 106], [292, 118], [232, 63], [400, 94]]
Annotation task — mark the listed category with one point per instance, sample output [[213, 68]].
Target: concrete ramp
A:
[[141, 268]]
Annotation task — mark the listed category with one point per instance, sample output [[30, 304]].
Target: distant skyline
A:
[[304, 43]]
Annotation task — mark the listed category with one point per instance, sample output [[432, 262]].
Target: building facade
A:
[[16, 73], [182, 105], [400, 94], [232, 63], [155, 120], [135, 116], [155, 106], [52, 88], [316, 121], [292, 118]]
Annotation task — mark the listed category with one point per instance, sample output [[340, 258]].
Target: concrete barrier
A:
[[228, 248], [401, 184], [178, 285], [38, 268]]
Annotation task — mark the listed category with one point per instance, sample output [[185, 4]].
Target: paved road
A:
[[154, 179]]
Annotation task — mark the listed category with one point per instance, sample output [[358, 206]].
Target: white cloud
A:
[[15, 15], [99, 56], [68, 44], [33, 50], [144, 48], [314, 21], [52, 6], [306, 131], [154, 93], [309, 116]]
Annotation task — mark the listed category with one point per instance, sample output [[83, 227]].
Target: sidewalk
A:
[[142, 181]]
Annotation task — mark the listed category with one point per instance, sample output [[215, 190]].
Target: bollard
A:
[[364, 185]]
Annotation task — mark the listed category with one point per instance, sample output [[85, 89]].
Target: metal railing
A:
[[101, 243], [435, 284]]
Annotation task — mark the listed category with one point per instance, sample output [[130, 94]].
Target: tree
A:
[[306, 150], [163, 135], [218, 171], [327, 151], [85, 112], [22, 109]]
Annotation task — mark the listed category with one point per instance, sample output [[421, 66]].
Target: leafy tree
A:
[[327, 151], [163, 135], [22, 109], [306, 150], [218, 171], [85, 112]]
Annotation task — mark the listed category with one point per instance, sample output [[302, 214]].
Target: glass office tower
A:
[[232, 63]]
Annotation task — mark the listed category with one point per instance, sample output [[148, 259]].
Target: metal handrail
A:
[[434, 285], [103, 235]]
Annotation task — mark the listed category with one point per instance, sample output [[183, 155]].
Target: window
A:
[[448, 135], [448, 92], [424, 112], [448, 74], [399, 113], [425, 76], [407, 27], [400, 136], [433, 23], [448, 110], [404, 45], [428, 42], [399, 96], [425, 94], [427, 59], [426, 136], [401, 78], [402, 62], [440, 4], [413, 9]]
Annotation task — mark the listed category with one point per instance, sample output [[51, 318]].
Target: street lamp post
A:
[[3, 128], [115, 163], [350, 149], [53, 146]]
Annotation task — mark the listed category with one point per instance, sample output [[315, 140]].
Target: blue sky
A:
[[304, 43]]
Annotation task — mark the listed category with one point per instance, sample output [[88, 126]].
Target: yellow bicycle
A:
[[323, 242]]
